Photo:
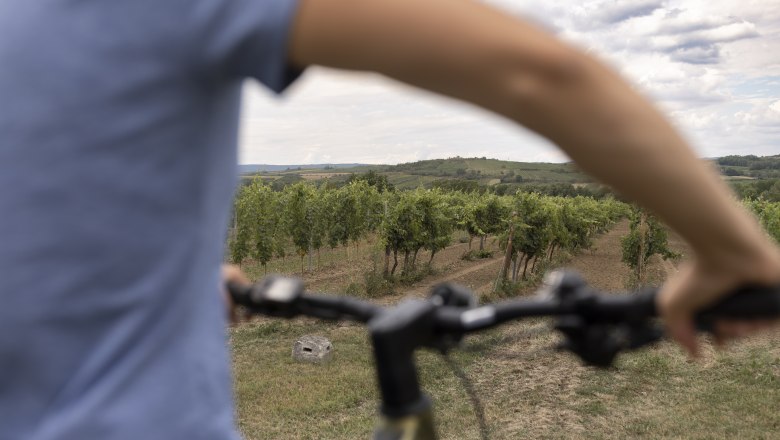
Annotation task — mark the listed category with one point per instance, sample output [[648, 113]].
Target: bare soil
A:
[[538, 383]]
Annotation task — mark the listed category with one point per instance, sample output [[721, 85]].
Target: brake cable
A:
[[468, 385]]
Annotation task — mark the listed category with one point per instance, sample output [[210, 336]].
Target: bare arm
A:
[[469, 51]]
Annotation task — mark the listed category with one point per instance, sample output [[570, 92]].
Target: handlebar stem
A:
[[396, 334]]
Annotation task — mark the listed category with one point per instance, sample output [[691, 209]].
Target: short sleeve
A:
[[250, 38]]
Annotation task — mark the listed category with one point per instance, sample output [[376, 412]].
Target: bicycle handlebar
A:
[[564, 294], [285, 297], [596, 326]]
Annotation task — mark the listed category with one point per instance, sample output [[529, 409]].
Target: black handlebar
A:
[[285, 297], [596, 326], [567, 295], [748, 303]]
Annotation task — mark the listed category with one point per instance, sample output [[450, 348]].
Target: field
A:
[[320, 176], [528, 390]]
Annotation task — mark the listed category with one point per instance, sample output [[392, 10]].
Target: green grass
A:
[[659, 393], [280, 398], [655, 393]]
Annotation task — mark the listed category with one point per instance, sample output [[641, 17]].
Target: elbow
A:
[[564, 66], [564, 95], [538, 81]]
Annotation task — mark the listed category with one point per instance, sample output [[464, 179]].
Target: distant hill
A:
[[504, 176], [436, 172], [754, 167], [259, 168]]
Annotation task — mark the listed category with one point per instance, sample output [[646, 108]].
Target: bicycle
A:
[[596, 327]]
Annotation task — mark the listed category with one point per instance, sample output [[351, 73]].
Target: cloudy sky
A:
[[712, 65]]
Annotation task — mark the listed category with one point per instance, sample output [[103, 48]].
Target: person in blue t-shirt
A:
[[118, 161]]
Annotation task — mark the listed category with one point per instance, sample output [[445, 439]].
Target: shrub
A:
[[353, 289], [477, 255], [377, 285]]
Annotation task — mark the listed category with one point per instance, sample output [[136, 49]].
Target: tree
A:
[[647, 237], [490, 216], [302, 215], [372, 178], [437, 222], [257, 222], [420, 219], [353, 211], [401, 229], [536, 232]]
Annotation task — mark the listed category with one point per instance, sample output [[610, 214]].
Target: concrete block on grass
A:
[[312, 349]]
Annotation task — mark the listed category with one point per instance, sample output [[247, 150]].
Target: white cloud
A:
[[701, 42], [763, 117], [614, 11]]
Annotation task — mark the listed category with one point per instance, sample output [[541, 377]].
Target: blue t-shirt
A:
[[117, 165]]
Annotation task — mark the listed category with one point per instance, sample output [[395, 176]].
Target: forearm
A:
[[468, 51], [620, 138]]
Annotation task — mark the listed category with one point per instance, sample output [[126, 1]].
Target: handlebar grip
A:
[[238, 292], [752, 302], [285, 297]]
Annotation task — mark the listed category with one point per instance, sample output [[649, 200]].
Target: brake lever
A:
[[599, 344], [595, 340], [274, 296], [450, 295]]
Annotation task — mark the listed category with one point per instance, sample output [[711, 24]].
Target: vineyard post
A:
[[640, 267], [525, 268], [387, 246], [509, 250], [311, 266]]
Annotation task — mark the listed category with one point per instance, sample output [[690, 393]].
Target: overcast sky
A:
[[712, 65]]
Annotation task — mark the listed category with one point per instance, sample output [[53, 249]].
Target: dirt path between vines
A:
[[540, 381], [600, 266], [467, 273]]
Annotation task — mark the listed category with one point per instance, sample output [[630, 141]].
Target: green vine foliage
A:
[[768, 213], [655, 239], [257, 222], [302, 218], [541, 225]]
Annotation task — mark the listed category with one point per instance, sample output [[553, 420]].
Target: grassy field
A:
[[652, 394], [528, 390]]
